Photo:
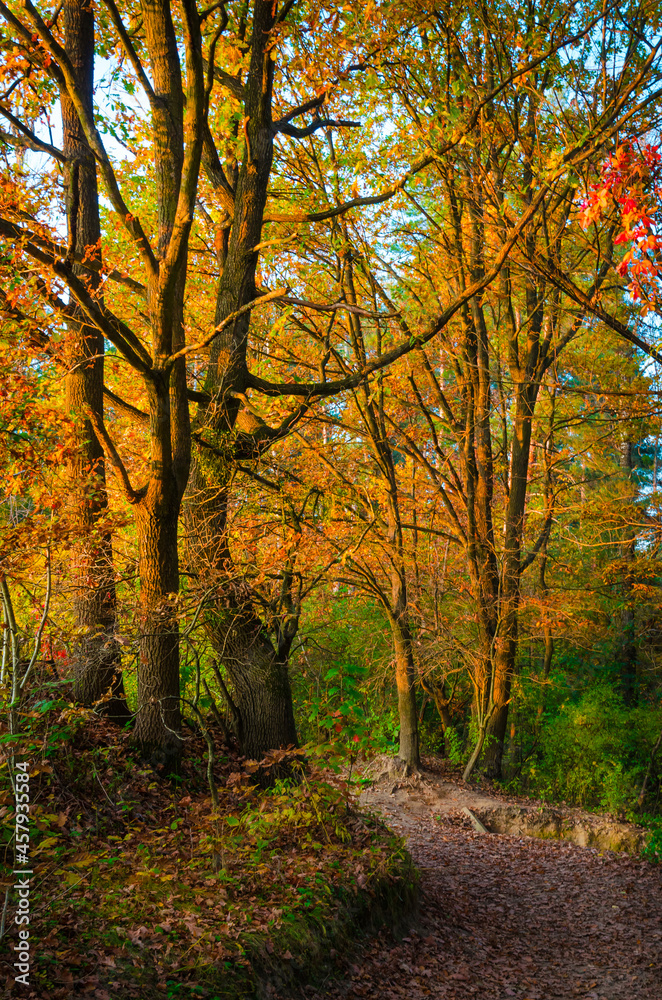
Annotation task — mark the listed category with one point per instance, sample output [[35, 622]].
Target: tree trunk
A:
[[260, 696], [548, 652], [404, 678], [506, 641], [158, 710], [256, 667], [96, 654], [626, 652], [177, 153], [473, 759], [498, 722]]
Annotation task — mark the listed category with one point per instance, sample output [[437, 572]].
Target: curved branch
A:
[[254, 445], [13, 231], [67, 77], [28, 139], [591, 305], [278, 293], [112, 454], [284, 128]]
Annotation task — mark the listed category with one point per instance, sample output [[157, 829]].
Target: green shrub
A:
[[594, 752], [653, 849]]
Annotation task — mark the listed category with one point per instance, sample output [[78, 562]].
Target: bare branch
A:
[[112, 454], [278, 293], [27, 138], [67, 77], [132, 55], [334, 306], [591, 305], [284, 128]]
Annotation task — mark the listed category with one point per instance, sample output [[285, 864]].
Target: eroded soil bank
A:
[[505, 916], [433, 793]]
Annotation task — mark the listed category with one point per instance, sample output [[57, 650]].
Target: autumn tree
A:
[[189, 265], [163, 259], [97, 661], [478, 400]]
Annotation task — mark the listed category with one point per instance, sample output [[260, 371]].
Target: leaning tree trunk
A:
[[506, 641], [96, 653]]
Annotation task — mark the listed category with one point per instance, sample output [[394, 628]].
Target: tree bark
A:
[[409, 749], [95, 651], [257, 667], [506, 641], [158, 710], [261, 696]]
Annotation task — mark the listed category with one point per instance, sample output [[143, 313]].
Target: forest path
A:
[[504, 916]]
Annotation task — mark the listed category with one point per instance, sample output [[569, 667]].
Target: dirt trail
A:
[[424, 796], [505, 916]]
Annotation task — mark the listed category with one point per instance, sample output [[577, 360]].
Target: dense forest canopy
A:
[[330, 390]]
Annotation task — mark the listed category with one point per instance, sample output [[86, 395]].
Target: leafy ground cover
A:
[[506, 916], [143, 889]]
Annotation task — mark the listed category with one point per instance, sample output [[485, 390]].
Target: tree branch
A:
[[590, 304], [284, 128], [28, 139], [68, 79], [262, 300], [251, 446], [132, 55], [112, 454], [13, 231]]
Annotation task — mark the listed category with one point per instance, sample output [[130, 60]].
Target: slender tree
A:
[[96, 657]]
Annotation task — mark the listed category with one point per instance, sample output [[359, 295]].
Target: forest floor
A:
[[139, 887], [506, 916]]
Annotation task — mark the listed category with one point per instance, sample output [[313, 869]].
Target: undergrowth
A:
[[142, 889]]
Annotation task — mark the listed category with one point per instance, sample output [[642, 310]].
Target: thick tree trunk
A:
[[260, 695], [157, 507], [158, 709], [265, 709], [256, 666], [96, 654]]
